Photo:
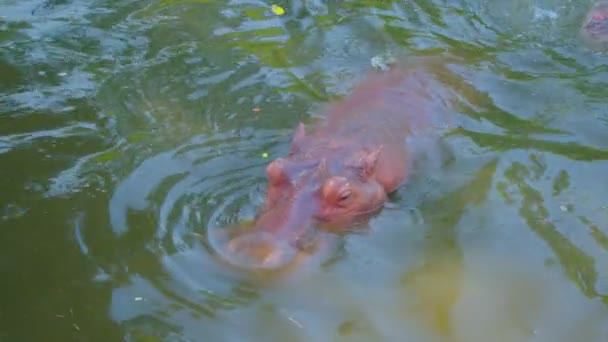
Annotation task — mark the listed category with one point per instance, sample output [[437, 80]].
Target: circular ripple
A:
[[204, 185], [175, 200]]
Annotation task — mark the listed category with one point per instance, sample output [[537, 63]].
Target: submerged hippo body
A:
[[339, 174], [594, 30]]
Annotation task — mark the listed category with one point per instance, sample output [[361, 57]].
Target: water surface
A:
[[128, 129]]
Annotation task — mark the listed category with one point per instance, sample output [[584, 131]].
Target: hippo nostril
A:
[[259, 250], [256, 245]]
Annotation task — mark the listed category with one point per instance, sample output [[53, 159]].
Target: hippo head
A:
[[321, 183], [326, 182]]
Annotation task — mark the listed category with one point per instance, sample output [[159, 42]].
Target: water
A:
[[127, 128]]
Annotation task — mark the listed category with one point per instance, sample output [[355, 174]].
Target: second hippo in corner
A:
[[594, 29]]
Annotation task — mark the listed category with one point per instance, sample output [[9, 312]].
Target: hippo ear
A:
[[369, 162], [276, 171], [298, 136]]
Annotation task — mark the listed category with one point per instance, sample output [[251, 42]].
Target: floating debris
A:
[[278, 10], [383, 61]]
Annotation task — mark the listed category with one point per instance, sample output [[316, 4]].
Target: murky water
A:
[[127, 130]]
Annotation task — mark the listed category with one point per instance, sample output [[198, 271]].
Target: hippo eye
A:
[[344, 196], [337, 190]]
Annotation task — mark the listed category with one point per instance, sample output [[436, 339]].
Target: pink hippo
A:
[[339, 174]]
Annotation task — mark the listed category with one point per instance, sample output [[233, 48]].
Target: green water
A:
[[127, 129]]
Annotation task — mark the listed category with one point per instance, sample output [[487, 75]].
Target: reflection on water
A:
[[131, 129]]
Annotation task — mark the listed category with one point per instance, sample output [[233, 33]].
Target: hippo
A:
[[594, 30], [339, 174]]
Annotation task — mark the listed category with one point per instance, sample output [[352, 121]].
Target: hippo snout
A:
[[259, 250]]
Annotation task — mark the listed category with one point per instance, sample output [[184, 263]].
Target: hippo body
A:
[[339, 175]]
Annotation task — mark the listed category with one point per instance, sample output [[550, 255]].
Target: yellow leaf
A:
[[278, 10]]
